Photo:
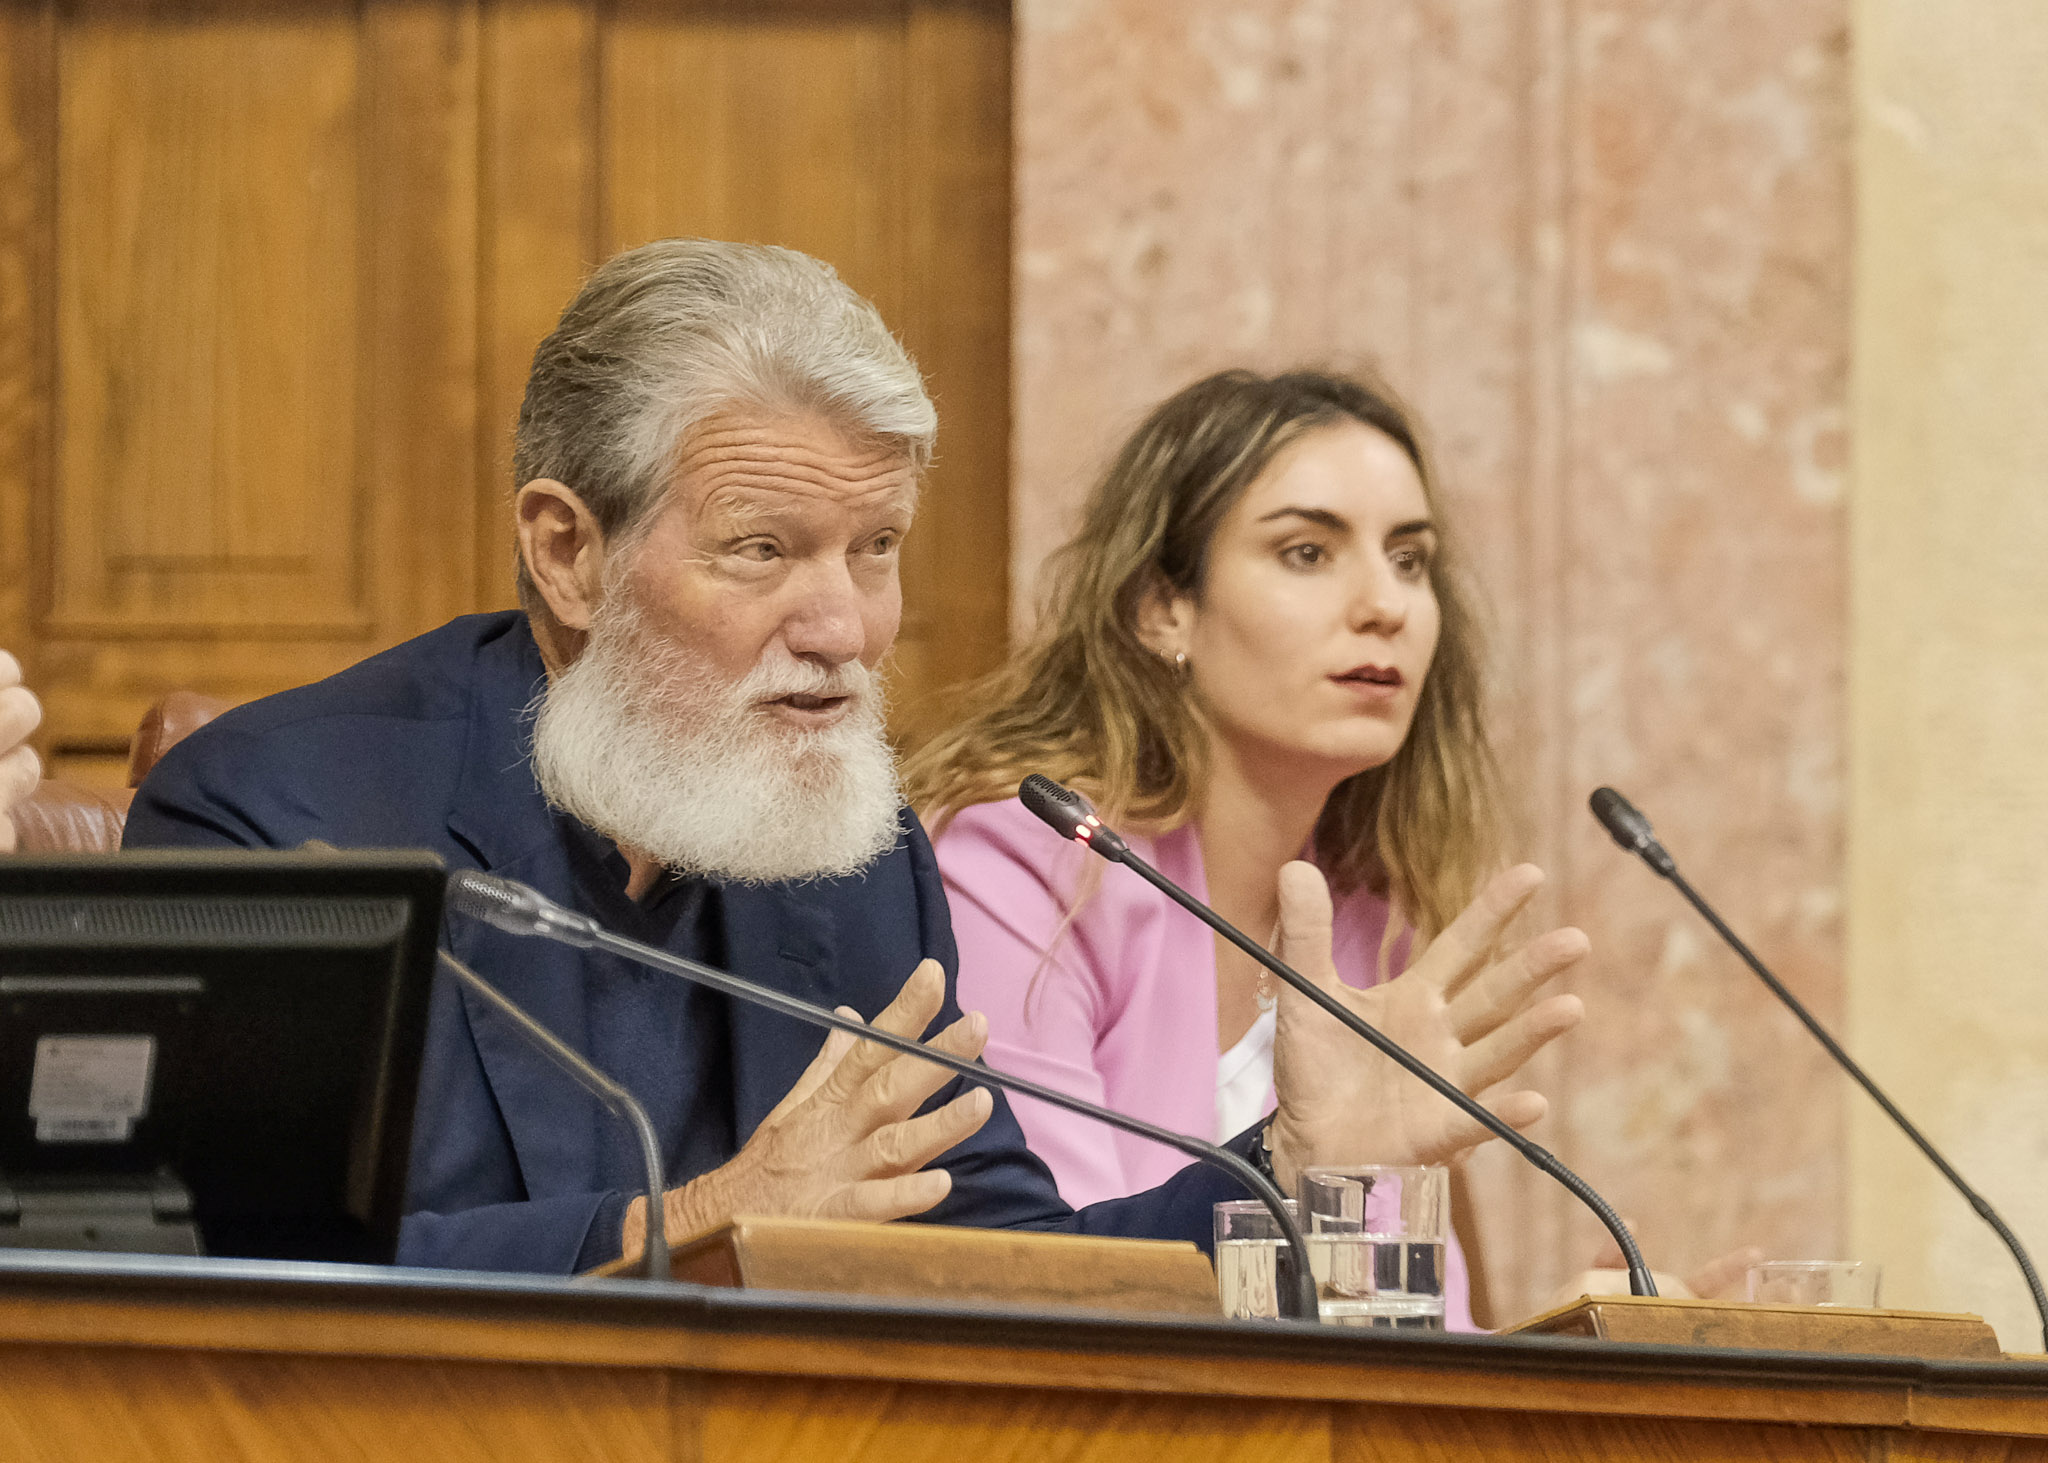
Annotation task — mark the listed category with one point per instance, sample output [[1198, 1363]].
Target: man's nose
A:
[[825, 622]]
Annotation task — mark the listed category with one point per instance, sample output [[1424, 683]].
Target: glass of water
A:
[[1248, 1250], [1815, 1283], [1376, 1236]]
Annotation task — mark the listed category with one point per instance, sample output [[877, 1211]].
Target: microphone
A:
[[520, 910], [1069, 815], [1631, 830], [603, 1088]]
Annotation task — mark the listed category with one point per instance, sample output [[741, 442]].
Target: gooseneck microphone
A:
[[1631, 830], [520, 910], [599, 1086], [1069, 814]]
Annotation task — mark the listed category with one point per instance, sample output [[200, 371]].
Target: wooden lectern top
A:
[[1750, 1326], [942, 1261], [147, 1359]]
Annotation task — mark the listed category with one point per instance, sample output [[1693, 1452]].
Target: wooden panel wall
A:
[[271, 274]]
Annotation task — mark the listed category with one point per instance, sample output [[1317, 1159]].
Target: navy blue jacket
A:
[[425, 746]]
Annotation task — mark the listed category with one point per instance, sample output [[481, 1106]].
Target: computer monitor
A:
[[212, 1052]]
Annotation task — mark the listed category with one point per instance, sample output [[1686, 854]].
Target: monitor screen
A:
[[239, 1032]]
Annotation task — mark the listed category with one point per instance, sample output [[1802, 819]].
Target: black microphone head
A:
[[1069, 814], [490, 898], [1627, 826], [1060, 808], [515, 908]]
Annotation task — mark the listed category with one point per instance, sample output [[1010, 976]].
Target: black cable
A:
[[1639, 1281], [1891, 1110], [519, 910], [598, 1085], [1069, 815], [1632, 831]]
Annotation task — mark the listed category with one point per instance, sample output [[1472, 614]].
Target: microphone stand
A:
[[520, 910], [1631, 830], [599, 1086], [1069, 814]]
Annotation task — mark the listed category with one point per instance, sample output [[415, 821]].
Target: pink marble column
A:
[[1603, 245]]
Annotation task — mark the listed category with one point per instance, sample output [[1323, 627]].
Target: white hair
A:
[[663, 336], [645, 741]]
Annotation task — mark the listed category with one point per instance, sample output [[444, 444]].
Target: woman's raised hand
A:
[[1473, 1011]]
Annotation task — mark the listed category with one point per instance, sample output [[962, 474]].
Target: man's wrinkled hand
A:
[[847, 1142], [1474, 1014], [19, 769]]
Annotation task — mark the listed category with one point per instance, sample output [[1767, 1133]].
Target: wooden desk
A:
[[137, 1360]]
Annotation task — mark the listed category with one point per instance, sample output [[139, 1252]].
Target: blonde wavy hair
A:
[[1088, 704]]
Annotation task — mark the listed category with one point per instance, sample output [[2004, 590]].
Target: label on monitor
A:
[[90, 1089]]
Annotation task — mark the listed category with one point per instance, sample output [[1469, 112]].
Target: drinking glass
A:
[[1376, 1237], [1815, 1283], [1248, 1249]]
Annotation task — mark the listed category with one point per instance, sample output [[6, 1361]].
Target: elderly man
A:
[[681, 735], [19, 770]]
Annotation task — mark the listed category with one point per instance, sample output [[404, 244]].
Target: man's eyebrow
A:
[[740, 509]]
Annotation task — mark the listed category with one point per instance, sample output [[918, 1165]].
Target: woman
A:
[[1256, 646]]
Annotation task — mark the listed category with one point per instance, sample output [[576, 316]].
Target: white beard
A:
[[643, 741]]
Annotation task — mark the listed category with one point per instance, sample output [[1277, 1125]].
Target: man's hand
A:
[[1471, 1014], [844, 1144], [19, 769]]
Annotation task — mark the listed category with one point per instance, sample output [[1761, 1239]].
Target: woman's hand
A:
[[1723, 1278], [19, 769], [1473, 1015]]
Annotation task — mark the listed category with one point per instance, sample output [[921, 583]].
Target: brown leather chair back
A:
[[176, 715], [62, 817]]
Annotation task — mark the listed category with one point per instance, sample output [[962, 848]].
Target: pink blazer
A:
[[1123, 1011]]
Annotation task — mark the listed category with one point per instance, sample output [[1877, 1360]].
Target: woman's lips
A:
[[1371, 675], [1373, 685]]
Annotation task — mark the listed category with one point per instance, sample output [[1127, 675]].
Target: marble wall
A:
[[1948, 931], [1604, 245]]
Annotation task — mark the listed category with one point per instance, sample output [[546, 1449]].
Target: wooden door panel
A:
[[537, 233], [245, 450], [955, 316], [875, 136], [207, 315], [283, 263], [785, 130]]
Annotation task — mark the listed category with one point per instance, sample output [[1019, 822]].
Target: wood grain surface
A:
[[1839, 1330], [925, 1261], [274, 274], [166, 1362]]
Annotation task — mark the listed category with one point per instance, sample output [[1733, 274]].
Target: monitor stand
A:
[[144, 1214]]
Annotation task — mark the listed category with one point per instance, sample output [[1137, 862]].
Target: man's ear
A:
[[563, 548], [1166, 618]]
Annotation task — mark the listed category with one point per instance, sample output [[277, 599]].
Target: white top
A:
[[1244, 1079]]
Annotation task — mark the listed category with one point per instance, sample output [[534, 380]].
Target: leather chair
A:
[[63, 817]]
